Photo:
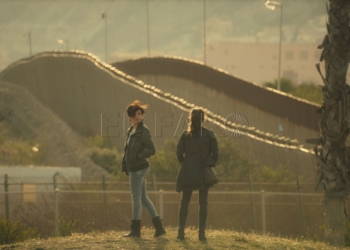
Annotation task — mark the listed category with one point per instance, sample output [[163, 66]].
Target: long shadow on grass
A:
[[154, 243], [192, 242]]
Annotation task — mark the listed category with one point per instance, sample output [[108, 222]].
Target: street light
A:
[[104, 16], [61, 41], [29, 35], [147, 26], [204, 34], [272, 5]]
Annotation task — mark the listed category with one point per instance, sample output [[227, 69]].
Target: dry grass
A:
[[216, 240]]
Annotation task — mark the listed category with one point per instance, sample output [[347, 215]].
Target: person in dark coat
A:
[[190, 175], [138, 148]]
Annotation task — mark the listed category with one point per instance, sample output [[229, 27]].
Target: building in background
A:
[[258, 62]]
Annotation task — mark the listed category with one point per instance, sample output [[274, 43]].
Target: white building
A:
[[32, 179], [258, 62]]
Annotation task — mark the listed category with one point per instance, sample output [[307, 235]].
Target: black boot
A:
[[158, 225], [183, 211], [203, 211], [201, 235], [135, 229], [181, 234]]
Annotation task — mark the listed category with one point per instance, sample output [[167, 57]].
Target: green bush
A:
[[233, 164], [164, 163], [309, 91], [17, 152], [108, 159], [104, 154], [66, 227], [12, 232], [287, 85], [14, 150], [99, 142], [306, 90], [278, 174]]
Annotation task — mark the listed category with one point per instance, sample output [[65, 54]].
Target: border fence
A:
[[85, 207]]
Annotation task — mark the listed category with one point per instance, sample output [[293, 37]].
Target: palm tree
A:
[[333, 162]]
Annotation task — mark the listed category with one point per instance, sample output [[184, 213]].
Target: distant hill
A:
[[33, 122], [175, 25]]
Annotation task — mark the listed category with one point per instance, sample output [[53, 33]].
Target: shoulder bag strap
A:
[[195, 148]]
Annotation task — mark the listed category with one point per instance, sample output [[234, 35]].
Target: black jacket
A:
[[190, 175], [140, 148]]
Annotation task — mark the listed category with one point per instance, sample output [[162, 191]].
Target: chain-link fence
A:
[[107, 206]]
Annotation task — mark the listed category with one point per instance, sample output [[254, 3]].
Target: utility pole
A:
[[104, 16], [204, 34], [147, 23]]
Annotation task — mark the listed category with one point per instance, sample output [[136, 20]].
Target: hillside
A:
[[27, 123], [216, 240]]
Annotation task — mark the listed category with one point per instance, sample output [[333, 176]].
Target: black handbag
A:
[[210, 177]]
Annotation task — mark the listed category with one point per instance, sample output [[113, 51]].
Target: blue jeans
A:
[[139, 196]]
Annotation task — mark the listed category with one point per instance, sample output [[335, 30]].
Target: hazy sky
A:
[[176, 26]]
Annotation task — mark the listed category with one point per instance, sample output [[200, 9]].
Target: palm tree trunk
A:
[[331, 152]]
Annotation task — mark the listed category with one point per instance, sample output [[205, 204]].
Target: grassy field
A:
[[216, 240]]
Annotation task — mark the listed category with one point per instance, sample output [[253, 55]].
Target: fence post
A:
[[155, 189], [253, 202], [263, 212], [6, 187], [56, 213], [301, 164], [54, 181], [105, 199], [161, 203], [301, 205]]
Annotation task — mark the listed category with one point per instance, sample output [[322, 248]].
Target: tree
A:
[[308, 91], [330, 150], [287, 85]]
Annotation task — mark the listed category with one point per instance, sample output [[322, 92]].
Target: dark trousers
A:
[[203, 208]]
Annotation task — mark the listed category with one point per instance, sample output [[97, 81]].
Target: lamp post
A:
[[104, 16], [29, 35], [147, 23], [30, 42], [204, 34], [61, 41], [272, 5]]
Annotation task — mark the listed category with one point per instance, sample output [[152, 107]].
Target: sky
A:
[[175, 26]]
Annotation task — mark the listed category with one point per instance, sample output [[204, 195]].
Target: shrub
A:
[[103, 153], [99, 142], [278, 174], [12, 232], [108, 159], [164, 163], [233, 164], [287, 85], [306, 90], [16, 151], [66, 226]]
